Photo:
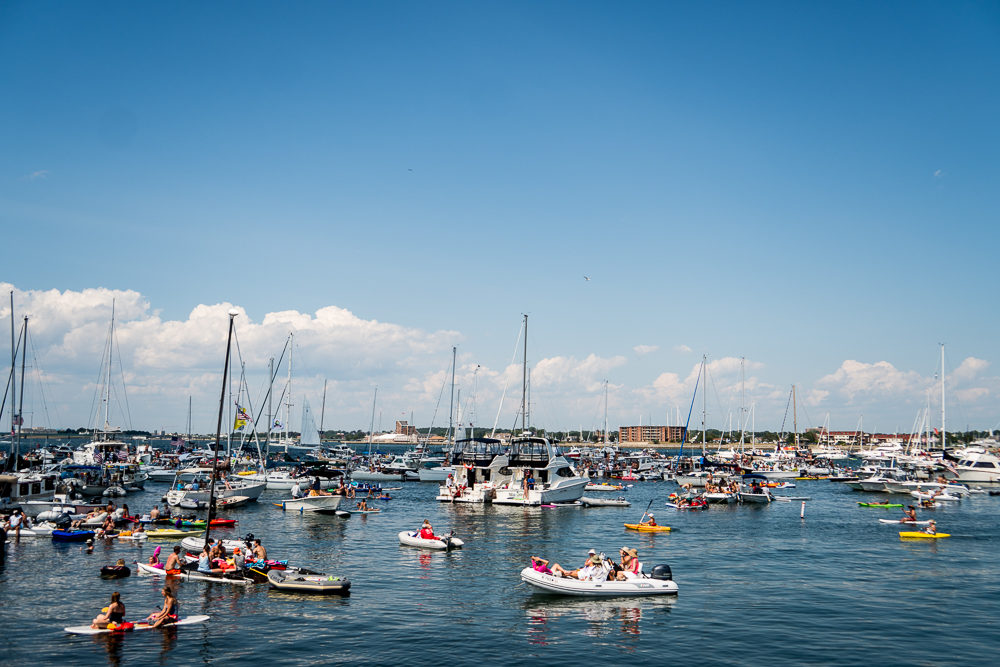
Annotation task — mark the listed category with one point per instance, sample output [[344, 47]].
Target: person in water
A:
[[169, 613], [113, 613], [931, 528], [649, 522]]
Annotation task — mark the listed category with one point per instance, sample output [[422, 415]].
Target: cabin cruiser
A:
[[529, 471], [977, 468], [199, 489], [23, 487]]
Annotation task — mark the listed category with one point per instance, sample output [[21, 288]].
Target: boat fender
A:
[[662, 572]]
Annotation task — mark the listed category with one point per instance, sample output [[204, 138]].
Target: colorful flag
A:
[[240, 423], [276, 424], [243, 414]]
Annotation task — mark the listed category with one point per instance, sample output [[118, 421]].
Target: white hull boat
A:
[[312, 504], [376, 476], [192, 575], [410, 538], [568, 586], [905, 522], [608, 488], [438, 474], [930, 496], [196, 544], [605, 502]]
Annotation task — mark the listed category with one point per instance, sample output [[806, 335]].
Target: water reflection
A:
[[552, 618]]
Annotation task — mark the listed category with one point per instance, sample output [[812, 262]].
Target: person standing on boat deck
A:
[[296, 492]]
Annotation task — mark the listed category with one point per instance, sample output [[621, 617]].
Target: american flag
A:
[[98, 458]]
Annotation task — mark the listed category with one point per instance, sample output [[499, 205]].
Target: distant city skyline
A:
[[809, 187]]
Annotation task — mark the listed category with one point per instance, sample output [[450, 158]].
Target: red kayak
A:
[[223, 522]]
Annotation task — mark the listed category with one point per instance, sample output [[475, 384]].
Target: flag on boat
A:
[[243, 414], [239, 423], [276, 424]]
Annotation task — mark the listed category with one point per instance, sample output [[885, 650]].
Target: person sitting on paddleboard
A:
[[910, 515], [169, 612], [113, 613], [931, 528], [363, 506]]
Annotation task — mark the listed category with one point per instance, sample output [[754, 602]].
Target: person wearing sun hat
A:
[[630, 565], [648, 522]]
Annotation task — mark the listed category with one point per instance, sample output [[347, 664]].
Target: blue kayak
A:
[[71, 535]]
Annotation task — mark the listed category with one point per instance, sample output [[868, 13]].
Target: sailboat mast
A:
[[524, 377], [288, 401], [189, 420], [451, 405], [13, 377], [943, 429], [704, 404], [606, 414], [371, 428], [270, 411], [795, 418], [218, 431], [107, 388], [20, 404], [322, 410]]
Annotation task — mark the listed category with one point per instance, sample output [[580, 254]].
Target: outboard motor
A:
[[662, 571], [64, 520]]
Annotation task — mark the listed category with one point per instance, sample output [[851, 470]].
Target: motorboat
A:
[[436, 474], [299, 582], [920, 495], [411, 538], [659, 582], [322, 504], [605, 502], [199, 489], [59, 503], [604, 486], [535, 475], [977, 467]]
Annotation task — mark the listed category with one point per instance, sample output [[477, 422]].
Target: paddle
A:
[[647, 510]]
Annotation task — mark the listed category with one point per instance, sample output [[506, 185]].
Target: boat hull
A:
[[312, 504], [410, 539], [567, 586]]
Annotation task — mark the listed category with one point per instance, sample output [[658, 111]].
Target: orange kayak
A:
[[647, 528]]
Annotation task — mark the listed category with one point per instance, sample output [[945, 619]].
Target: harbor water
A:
[[758, 585]]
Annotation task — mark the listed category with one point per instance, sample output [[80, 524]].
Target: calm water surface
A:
[[758, 585]]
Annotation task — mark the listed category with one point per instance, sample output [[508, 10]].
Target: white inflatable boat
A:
[[652, 585], [605, 502], [410, 538]]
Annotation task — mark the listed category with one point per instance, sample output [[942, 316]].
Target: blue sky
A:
[[802, 184]]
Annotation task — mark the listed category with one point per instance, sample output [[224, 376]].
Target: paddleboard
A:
[[890, 505], [908, 523], [918, 535], [365, 511], [647, 529], [87, 630]]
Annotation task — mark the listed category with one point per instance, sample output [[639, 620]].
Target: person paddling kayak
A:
[[931, 528]]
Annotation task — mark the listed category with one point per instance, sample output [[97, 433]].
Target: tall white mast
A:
[[107, 399], [606, 414], [288, 401], [943, 429]]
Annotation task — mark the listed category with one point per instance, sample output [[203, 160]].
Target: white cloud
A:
[[645, 349], [682, 348], [882, 379], [968, 370], [938, 173], [36, 175]]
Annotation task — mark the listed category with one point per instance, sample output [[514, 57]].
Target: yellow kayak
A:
[[647, 528], [917, 534], [171, 533]]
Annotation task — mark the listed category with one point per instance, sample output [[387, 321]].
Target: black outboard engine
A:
[[64, 520], [662, 571]]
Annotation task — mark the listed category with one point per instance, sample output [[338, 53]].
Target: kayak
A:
[[699, 506], [132, 627], [891, 505], [364, 511], [294, 582], [197, 523], [916, 534], [647, 528], [410, 538], [171, 533], [569, 586], [908, 522]]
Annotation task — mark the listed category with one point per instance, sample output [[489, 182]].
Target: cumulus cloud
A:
[[645, 349], [682, 348], [855, 378], [968, 370]]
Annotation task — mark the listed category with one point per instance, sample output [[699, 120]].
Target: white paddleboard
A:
[[905, 523], [87, 630]]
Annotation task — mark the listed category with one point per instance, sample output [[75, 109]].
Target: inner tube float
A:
[[115, 571]]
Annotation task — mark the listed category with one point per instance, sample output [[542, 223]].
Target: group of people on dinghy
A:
[[597, 567]]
